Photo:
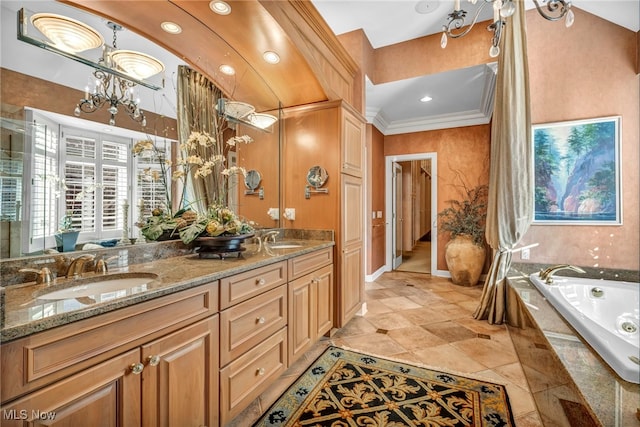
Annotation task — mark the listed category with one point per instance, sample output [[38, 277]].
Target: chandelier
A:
[[115, 91], [552, 10]]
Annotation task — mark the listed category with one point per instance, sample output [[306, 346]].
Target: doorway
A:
[[411, 199]]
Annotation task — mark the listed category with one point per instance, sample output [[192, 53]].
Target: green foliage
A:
[[602, 186], [542, 202], [66, 223], [468, 215], [546, 160]]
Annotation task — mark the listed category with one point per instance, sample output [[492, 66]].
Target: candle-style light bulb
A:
[[568, 20]]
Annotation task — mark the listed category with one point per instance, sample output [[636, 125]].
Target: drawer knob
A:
[[260, 281], [260, 372], [153, 360], [260, 320], [136, 368]]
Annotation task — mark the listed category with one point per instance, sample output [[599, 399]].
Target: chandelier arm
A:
[[456, 21], [552, 6], [496, 27]]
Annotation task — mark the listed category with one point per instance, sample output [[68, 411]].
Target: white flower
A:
[[233, 141]]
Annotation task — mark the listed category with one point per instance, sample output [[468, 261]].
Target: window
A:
[[41, 162], [88, 175], [96, 178], [151, 190]]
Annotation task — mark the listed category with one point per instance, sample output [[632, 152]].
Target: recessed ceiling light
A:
[[227, 69], [425, 98], [171, 27], [271, 57], [220, 7]]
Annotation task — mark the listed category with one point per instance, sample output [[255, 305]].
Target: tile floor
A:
[[424, 320]]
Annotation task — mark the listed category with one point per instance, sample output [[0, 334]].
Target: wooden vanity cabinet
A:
[[180, 379], [105, 394], [176, 360], [154, 363], [253, 335], [310, 300]]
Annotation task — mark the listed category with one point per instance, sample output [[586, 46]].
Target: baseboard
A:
[[376, 274]]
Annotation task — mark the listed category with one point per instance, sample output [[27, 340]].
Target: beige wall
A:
[[590, 72], [462, 152], [586, 71], [376, 253]]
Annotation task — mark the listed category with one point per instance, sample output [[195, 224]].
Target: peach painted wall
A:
[[463, 150], [590, 71], [376, 252]]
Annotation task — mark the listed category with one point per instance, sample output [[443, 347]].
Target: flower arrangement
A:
[[217, 221], [202, 157]]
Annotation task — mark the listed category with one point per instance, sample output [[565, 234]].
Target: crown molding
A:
[[480, 116]]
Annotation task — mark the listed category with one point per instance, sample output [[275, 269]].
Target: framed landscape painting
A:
[[577, 172]]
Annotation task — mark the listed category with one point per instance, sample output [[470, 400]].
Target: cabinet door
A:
[[180, 378], [244, 379], [351, 284], [352, 144], [352, 203], [302, 316], [323, 279], [107, 394]]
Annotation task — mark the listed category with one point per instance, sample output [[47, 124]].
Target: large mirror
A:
[[58, 169]]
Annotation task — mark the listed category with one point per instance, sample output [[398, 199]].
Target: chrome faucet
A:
[[547, 274], [102, 265], [76, 267], [270, 236], [43, 275]]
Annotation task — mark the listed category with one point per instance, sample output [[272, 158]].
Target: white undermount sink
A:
[[99, 285], [284, 245]]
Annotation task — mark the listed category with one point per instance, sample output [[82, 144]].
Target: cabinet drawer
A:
[[304, 264], [248, 376], [241, 287], [245, 325], [42, 358]]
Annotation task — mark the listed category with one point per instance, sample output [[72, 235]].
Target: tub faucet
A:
[[547, 274], [76, 267]]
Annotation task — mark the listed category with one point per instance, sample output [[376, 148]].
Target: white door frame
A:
[[389, 160], [396, 215]]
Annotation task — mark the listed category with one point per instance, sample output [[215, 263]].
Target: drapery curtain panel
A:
[[510, 202], [197, 99]]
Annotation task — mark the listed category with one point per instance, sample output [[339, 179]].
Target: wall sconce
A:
[[252, 181], [243, 113], [316, 178]]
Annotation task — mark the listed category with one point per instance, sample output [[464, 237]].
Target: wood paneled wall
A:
[[311, 137], [19, 90], [262, 155]]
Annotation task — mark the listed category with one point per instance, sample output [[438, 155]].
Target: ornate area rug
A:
[[346, 388]]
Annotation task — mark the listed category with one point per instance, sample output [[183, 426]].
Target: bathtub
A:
[[605, 313]]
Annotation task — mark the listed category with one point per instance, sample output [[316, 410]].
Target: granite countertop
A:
[[25, 312]]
